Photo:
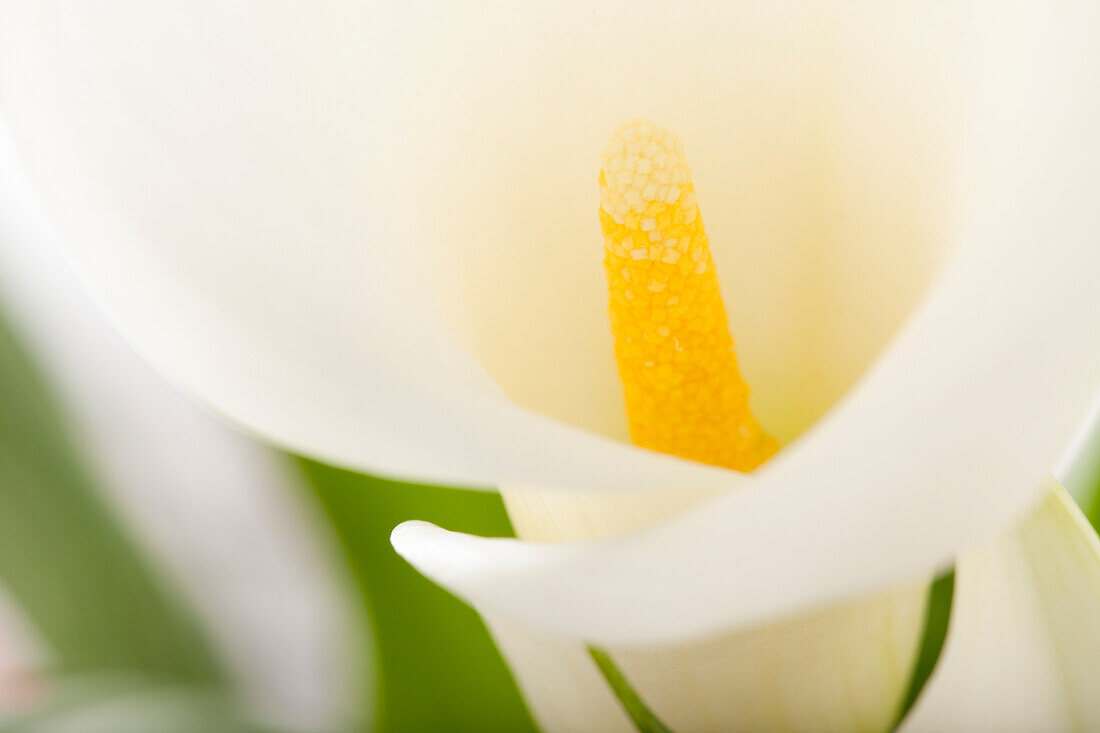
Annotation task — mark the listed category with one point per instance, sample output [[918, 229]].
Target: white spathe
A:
[[312, 206], [1024, 637], [312, 220]]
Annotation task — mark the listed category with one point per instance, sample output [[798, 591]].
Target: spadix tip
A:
[[643, 163]]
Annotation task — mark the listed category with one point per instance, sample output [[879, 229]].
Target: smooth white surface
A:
[[949, 436], [285, 212], [1024, 637], [326, 223], [218, 513], [835, 670]]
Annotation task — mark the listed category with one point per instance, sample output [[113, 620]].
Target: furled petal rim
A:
[[1009, 333], [391, 424], [148, 172], [948, 437]]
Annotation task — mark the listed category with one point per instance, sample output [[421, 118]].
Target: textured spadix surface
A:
[[305, 217], [732, 561], [843, 668], [364, 232], [684, 393]]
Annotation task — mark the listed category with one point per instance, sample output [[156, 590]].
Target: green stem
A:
[[644, 718], [936, 619], [1092, 510]]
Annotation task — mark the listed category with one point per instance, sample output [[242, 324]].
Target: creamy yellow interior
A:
[[823, 150]]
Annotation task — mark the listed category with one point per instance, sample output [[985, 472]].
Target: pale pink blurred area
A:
[[23, 660], [224, 518]]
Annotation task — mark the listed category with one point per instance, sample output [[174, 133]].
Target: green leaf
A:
[[643, 718], [1092, 511], [437, 667], [936, 620], [66, 560]]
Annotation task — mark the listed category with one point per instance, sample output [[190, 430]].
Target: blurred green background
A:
[[116, 631], [438, 669]]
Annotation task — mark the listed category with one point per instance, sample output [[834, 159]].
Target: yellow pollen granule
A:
[[684, 393]]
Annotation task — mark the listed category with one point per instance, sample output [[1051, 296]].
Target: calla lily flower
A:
[[368, 234]]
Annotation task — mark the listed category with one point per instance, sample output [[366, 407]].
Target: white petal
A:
[[839, 669], [562, 687], [1025, 632], [303, 217], [374, 400]]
